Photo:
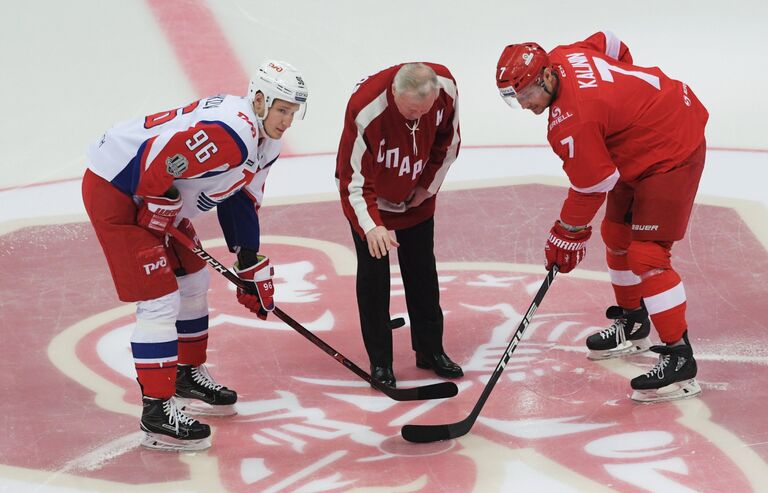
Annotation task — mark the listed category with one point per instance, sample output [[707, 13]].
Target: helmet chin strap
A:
[[262, 129], [266, 108], [552, 93]]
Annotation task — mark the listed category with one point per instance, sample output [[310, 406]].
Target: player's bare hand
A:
[[380, 241], [418, 196]]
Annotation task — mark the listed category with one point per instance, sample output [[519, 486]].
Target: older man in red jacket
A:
[[401, 134]]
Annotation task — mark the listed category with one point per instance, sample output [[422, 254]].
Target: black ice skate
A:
[[672, 378], [198, 393], [167, 428], [628, 334]]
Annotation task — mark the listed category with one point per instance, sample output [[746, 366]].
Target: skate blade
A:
[[624, 349], [157, 441], [194, 407], [674, 392]]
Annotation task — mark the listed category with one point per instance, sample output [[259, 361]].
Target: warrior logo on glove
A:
[[157, 213], [566, 248]]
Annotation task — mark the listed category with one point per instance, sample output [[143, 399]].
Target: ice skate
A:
[[167, 428], [628, 334], [671, 379], [197, 393]]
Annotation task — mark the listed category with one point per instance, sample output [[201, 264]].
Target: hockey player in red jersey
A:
[[636, 136], [146, 174], [401, 134]]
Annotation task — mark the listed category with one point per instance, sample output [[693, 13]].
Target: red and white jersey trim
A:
[[453, 148], [355, 187], [604, 186], [612, 44]]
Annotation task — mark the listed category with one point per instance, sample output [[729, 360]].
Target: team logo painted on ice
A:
[[551, 417]]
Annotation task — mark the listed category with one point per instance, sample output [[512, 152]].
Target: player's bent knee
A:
[[194, 284], [645, 257], [616, 236], [194, 294], [162, 308]]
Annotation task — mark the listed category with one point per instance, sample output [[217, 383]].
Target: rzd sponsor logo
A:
[[153, 266]]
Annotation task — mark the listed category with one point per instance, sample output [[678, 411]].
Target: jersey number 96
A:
[[200, 138]]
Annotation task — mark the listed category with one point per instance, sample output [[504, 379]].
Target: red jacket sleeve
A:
[[447, 142], [354, 173]]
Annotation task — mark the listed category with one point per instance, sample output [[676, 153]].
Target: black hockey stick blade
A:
[[433, 391], [434, 433], [440, 390]]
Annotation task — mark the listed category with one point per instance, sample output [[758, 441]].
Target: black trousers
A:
[[422, 295]]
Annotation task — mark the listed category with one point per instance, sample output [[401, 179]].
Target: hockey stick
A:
[[434, 433], [433, 391]]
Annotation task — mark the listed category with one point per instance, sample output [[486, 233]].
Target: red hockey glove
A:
[[566, 248], [260, 298], [156, 213]]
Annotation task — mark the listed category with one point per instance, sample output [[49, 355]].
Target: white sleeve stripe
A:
[[623, 277], [448, 86], [667, 300], [604, 186], [355, 187], [612, 45], [450, 154]]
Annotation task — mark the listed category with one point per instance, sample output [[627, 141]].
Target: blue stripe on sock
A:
[[192, 326], [155, 350]]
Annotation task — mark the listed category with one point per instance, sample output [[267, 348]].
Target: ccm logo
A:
[[276, 67], [153, 266]]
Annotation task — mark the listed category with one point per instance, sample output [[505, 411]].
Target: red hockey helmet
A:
[[519, 66]]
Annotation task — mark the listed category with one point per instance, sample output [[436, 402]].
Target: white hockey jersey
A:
[[209, 150]]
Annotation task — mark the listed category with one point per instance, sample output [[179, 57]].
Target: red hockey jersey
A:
[[383, 157], [613, 120]]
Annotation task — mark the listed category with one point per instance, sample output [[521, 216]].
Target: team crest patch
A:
[[176, 165]]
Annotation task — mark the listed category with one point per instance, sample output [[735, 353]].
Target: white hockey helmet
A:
[[279, 80]]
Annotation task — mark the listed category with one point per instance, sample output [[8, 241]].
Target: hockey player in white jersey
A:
[[164, 169]]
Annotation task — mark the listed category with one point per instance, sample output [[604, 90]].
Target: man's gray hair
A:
[[416, 78]]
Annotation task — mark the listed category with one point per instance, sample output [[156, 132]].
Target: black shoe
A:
[[440, 363], [198, 393], [384, 375], [167, 428]]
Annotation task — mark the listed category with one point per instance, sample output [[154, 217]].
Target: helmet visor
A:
[[515, 99]]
